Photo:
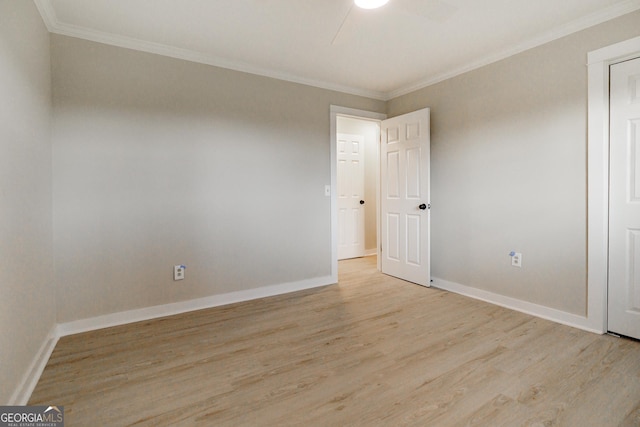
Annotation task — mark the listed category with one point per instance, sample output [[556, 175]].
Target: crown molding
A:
[[604, 15], [48, 13], [52, 23]]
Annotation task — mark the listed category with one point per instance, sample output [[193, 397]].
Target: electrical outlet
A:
[[516, 259], [178, 272]]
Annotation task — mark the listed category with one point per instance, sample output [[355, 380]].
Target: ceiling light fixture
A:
[[370, 4]]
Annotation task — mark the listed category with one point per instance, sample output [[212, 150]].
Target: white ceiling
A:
[[383, 53]]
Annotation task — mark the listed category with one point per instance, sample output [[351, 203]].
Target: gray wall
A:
[[508, 147], [27, 301], [159, 161]]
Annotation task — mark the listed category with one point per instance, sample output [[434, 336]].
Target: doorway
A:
[[360, 116], [357, 170], [401, 191]]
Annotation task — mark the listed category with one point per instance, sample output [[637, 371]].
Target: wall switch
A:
[[516, 259], [327, 190], [178, 272]]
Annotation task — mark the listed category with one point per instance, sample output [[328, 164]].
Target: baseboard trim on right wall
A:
[[552, 314]]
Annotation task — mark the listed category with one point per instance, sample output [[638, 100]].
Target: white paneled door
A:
[[405, 197], [350, 196], [624, 200]]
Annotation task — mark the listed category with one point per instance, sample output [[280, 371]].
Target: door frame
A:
[[598, 64], [334, 112]]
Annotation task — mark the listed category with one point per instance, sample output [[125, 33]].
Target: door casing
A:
[[334, 112]]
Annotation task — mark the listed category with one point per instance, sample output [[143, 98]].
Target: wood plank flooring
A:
[[371, 351]]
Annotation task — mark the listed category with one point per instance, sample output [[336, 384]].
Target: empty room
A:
[[433, 219]]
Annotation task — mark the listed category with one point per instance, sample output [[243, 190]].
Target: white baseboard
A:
[[371, 252], [30, 380], [147, 313], [558, 316]]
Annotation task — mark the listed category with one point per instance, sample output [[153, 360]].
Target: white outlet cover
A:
[[178, 272], [516, 260]]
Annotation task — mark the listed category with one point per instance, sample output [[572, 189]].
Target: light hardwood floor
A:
[[371, 351]]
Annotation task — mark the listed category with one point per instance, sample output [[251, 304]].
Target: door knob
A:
[[423, 206], [362, 202]]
